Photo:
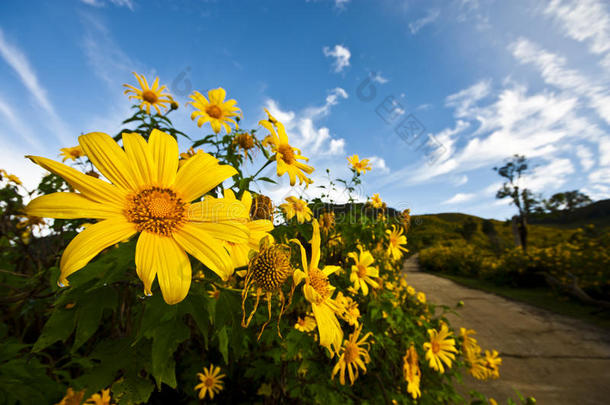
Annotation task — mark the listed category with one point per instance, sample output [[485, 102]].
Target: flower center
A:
[[209, 382], [271, 267], [361, 271], [149, 96], [213, 111], [287, 153], [319, 282], [245, 141], [157, 210], [436, 347], [351, 352]]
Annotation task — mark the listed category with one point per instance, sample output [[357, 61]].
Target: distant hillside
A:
[[597, 213]]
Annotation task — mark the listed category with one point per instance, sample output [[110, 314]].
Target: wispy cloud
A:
[[341, 56], [417, 25], [17, 60], [460, 198], [587, 159], [22, 131], [377, 77], [100, 3]]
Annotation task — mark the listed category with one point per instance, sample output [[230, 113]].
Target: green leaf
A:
[[167, 336], [89, 313], [223, 344], [133, 389], [59, 327]]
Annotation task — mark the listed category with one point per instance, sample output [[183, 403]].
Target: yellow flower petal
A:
[[87, 244], [199, 175], [206, 249], [109, 159], [69, 206], [164, 150], [145, 266], [172, 265], [91, 187], [140, 158]]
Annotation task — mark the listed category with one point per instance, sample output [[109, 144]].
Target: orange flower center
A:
[[245, 141], [149, 96], [361, 271], [319, 282], [157, 210], [436, 347], [351, 352], [209, 382], [287, 153], [213, 111]]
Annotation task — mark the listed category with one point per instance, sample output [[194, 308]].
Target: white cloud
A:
[[17, 60], [378, 164], [377, 77], [341, 56], [417, 25], [341, 3], [604, 151], [553, 70], [312, 139], [460, 198], [586, 157], [463, 100], [549, 177], [583, 21], [100, 3], [22, 131], [600, 176], [459, 180]]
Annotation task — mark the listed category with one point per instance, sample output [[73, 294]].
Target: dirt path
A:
[[557, 360]]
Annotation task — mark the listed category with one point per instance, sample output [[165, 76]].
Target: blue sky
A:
[[435, 93]]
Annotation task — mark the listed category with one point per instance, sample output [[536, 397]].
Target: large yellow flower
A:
[[354, 355], [258, 229], [318, 291], [72, 153], [154, 96], [286, 156], [147, 194], [214, 109], [412, 373], [296, 207], [362, 271], [440, 349], [361, 166], [396, 240], [101, 398], [211, 382]]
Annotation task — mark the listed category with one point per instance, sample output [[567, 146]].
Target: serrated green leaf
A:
[[167, 336], [89, 313], [59, 327], [133, 389]]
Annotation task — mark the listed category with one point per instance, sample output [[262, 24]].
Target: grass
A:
[[539, 297]]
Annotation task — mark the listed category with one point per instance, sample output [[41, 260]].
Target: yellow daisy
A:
[[440, 349], [376, 201], [258, 229], [421, 297], [214, 110], [354, 355], [211, 382], [296, 207], [72, 397], [362, 271], [396, 242], [149, 195], [72, 153], [469, 343], [103, 398], [412, 373], [352, 312], [286, 156], [245, 141], [305, 324], [318, 291], [327, 222], [360, 166], [492, 362], [154, 96]]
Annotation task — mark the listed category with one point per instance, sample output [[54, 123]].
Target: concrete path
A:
[[556, 359]]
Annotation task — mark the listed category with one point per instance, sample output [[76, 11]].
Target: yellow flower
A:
[[245, 142], [411, 371], [72, 397], [154, 96], [149, 195], [72, 153], [214, 292], [305, 324], [14, 179], [318, 291], [211, 382], [354, 355], [352, 312], [327, 222], [258, 229], [362, 271], [492, 363], [410, 290], [216, 111], [296, 207], [492, 401], [376, 201], [469, 344], [396, 240], [361, 166], [286, 156], [421, 297], [440, 349], [262, 207], [102, 398]]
